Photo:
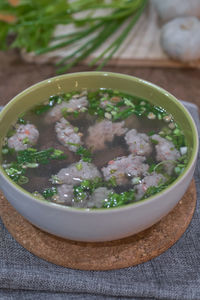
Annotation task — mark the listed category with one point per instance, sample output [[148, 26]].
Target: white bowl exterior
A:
[[113, 223]]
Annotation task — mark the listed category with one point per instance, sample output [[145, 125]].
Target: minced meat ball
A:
[[75, 104], [123, 167], [25, 136], [77, 172], [103, 132], [139, 143], [67, 134]]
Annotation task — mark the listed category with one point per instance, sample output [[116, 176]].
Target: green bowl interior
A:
[[94, 80]]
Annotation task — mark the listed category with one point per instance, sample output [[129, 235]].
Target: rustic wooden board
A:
[[117, 254]]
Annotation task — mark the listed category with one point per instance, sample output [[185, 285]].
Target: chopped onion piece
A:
[[183, 150]]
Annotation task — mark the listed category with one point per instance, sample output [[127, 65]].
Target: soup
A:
[[94, 149]]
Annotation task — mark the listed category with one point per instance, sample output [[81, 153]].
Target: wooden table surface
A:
[[16, 75]]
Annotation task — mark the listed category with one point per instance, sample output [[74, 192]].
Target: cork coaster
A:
[[117, 254]]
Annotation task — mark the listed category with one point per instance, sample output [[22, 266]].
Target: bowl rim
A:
[[140, 203]]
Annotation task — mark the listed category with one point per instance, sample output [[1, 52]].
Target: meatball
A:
[[153, 179], [77, 172], [124, 167], [66, 134], [72, 105], [25, 136], [165, 150], [139, 143], [98, 197], [102, 132], [65, 194]]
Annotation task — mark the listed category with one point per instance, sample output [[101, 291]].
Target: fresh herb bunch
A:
[[34, 22]]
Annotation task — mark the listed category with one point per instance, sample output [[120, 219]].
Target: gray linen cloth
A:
[[174, 275]]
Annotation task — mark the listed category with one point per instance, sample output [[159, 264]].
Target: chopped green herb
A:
[[31, 165], [43, 157], [76, 114], [30, 158], [124, 114], [76, 129], [55, 179], [15, 172], [49, 192], [21, 120], [79, 166], [64, 112], [152, 168], [88, 186], [136, 180], [155, 142], [112, 182], [116, 200], [58, 154], [152, 190], [79, 194], [25, 141], [85, 154], [53, 100], [151, 133], [127, 102]]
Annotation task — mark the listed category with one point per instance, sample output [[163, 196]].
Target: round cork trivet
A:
[[117, 254]]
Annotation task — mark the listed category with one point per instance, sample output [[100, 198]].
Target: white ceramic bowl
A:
[[99, 224]]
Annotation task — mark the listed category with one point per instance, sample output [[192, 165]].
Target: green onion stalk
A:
[[34, 22]]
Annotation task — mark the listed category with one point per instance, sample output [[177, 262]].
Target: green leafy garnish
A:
[[30, 158], [79, 193], [152, 190], [49, 192], [88, 186], [85, 154], [25, 140], [21, 120], [111, 182], [53, 100], [176, 136], [155, 142], [16, 172], [32, 155], [122, 109], [79, 166], [150, 133], [116, 200]]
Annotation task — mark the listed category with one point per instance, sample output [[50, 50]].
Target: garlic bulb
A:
[[169, 9], [180, 38]]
